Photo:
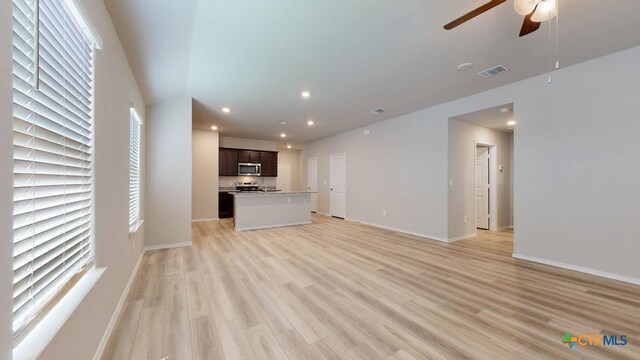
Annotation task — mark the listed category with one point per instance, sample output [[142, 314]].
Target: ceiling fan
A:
[[534, 12]]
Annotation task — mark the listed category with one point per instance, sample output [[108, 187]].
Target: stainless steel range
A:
[[247, 186]]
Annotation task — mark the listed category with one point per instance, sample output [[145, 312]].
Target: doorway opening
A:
[[283, 181], [485, 193], [480, 172], [338, 185]]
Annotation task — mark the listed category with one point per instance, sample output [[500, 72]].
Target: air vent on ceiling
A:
[[492, 71], [378, 111]]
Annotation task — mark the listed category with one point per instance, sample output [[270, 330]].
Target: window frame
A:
[[63, 17]]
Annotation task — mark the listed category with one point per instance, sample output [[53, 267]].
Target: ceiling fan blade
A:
[[529, 26], [470, 15]]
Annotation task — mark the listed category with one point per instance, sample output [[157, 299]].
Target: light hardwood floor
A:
[[339, 290]]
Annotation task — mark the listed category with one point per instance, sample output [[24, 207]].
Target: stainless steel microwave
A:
[[248, 169]]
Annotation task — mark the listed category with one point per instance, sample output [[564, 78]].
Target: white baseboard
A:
[[425, 236], [203, 220], [463, 237], [114, 318], [167, 246], [577, 268], [272, 226], [116, 314]]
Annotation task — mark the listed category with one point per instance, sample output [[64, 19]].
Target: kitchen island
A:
[[262, 210]]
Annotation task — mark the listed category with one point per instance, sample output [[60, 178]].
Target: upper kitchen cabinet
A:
[[230, 158], [249, 156], [228, 162], [269, 162]]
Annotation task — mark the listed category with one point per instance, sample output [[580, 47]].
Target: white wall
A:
[[6, 183], [399, 167], [115, 88], [204, 196], [576, 194], [462, 139], [577, 166], [250, 144], [511, 184], [169, 172]]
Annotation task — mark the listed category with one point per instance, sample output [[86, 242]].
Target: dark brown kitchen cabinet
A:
[[228, 162], [249, 156], [225, 205], [229, 159], [269, 162]]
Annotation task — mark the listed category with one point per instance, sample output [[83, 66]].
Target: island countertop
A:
[[271, 193], [254, 210]]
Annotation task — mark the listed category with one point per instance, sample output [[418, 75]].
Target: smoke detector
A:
[[465, 66]]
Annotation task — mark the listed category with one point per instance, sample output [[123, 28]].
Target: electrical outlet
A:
[[367, 132], [450, 182], [384, 212], [465, 219], [288, 199]]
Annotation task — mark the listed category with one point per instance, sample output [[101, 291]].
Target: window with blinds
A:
[[134, 170], [53, 138]]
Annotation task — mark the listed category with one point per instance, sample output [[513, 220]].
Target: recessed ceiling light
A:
[[214, 127], [505, 110], [283, 135], [226, 110], [310, 122], [305, 94], [465, 66], [283, 122], [288, 146], [511, 123]]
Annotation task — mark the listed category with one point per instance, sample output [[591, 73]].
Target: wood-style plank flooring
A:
[[340, 290]]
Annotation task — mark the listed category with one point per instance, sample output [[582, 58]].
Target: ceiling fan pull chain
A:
[[557, 37], [550, 79]]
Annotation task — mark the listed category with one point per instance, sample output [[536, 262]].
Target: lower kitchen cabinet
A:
[[225, 205]]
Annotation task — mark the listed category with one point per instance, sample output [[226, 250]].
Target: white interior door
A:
[[312, 182], [338, 185], [283, 181], [482, 187]]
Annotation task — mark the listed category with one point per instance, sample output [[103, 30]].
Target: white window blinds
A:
[[134, 170], [53, 139]]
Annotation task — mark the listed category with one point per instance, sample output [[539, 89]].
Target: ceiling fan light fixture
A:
[[547, 9], [525, 7]]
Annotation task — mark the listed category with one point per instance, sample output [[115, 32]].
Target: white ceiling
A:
[[354, 56], [492, 118]]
